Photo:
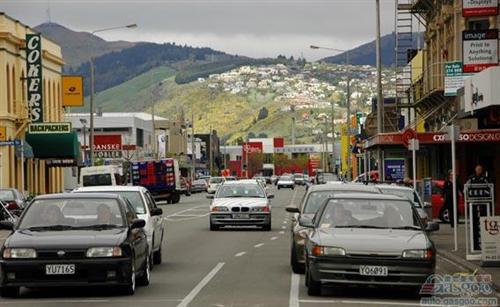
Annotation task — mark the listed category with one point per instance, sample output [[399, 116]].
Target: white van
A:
[[101, 175]]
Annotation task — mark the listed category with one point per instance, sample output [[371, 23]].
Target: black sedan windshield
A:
[[66, 213], [364, 213]]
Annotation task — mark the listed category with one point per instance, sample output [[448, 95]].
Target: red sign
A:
[[279, 142], [108, 142], [251, 147], [408, 134], [479, 8]]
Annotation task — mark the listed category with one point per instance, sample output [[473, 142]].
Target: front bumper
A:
[[345, 270], [228, 219], [88, 272]]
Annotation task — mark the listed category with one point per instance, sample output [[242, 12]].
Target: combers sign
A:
[[479, 8], [34, 77]]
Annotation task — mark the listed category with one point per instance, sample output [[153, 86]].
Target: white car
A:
[[145, 208], [286, 182], [240, 203], [214, 183]]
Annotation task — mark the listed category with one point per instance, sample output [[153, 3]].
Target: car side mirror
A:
[[270, 196], [210, 196], [156, 211], [427, 205], [6, 225], [432, 226], [306, 222], [138, 224], [292, 209]]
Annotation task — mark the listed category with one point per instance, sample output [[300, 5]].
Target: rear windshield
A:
[[216, 180], [316, 199], [285, 178], [7, 195], [134, 197], [96, 180], [406, 194]]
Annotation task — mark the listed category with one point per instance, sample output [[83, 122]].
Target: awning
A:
[[54, 145]]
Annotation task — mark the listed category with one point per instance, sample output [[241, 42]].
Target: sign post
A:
[[414, 145], [453, 135]]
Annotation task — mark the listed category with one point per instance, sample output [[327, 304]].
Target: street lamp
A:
[[347, 61], [84, 123], [92, 86]]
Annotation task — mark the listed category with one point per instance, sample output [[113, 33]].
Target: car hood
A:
[[239, 202], [372, 241], [70, 238], [285, 181]]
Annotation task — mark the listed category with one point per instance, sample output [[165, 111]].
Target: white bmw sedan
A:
[[239, 203]]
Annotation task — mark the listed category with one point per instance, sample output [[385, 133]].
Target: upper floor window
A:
[[482, 24]]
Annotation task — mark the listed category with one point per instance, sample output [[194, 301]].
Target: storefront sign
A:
[[453, 78], [72, 91], [10, 143], [61, 162], [482, 90], [309, 149], [480, 50], [479, 8], [394, 169], [108, 154], [47, 128], [34, 77], [490, 239], [112, 142], [3, 133]]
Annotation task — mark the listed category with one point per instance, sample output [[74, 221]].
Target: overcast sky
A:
[[257, 28]]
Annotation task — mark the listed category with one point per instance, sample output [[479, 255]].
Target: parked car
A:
[[286, 182], [240, 203], [6, 214], [214, 183], [75, 239], [274, 179], [145, 207], [199, 185], [315, 196], [13, 199], [369, 240], [424, 209], [299, 179]]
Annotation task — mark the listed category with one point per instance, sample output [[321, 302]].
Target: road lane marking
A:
[[283, 227], [190, 297], [382, 303], [294, 290], [274, 238], [240, 254], [282, 232], [258, 245], [454, 264]]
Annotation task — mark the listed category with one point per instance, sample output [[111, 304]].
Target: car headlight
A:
[[418, 254], [19, 253], [101, 252], [260, 209], [327, 251], [220, 209]]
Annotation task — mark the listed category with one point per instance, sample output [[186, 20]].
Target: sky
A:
[[256, 28]]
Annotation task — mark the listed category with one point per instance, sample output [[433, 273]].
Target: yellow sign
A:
[[3, 134], [72, 91]]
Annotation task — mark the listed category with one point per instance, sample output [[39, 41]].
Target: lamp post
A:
[[84, 123], [92, 88], [348, 102]]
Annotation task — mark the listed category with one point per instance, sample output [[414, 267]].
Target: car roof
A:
[[394, 187], [78, 195], [110, 188], [244, 181], [368, 196], [344, 187]]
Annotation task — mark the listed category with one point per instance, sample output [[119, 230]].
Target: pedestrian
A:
[[478, 176], [448, 196]]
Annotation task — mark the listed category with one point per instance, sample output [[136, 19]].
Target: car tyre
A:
[[297, 268], [157, 256], [10, 291], [129, 289], [313, 287], [176, 198], [279, 187], [444, 215], [146, 273], [267, 227], [213, 227]]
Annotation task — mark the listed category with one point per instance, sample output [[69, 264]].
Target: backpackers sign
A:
[[34, 77]]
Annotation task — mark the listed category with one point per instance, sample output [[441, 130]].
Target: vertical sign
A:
[[34, 77], [490, 239], [480, 50]]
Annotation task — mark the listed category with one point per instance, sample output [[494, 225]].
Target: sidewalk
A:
[[444, 241]]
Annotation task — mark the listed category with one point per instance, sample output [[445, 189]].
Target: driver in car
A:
[[341, 217], [51, 215], [104, 215]]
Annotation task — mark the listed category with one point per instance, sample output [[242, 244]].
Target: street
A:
[[230, 267]]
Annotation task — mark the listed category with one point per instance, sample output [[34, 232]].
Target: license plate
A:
[[60, 269], [373, 270], [241, 216]]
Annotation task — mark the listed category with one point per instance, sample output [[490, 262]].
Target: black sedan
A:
[[368, 239], [75, 240]]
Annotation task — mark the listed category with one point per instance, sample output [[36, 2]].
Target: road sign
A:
[[413, 144], [3, 133], [10, 143]]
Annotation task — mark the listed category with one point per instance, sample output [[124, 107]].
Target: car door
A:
[[138, 239], [157, 221]]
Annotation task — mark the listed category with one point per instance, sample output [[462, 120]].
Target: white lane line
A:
[[284, 222], [274, 238], [462, 268], [283, 227], [190, 297], [372, 303], [282, 232], [294, 290], [258, 245], [240, 254]]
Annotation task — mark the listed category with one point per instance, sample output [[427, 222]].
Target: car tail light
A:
[[12, 205]]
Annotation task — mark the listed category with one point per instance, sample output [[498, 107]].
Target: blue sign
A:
[[394, 169], [10, 143]]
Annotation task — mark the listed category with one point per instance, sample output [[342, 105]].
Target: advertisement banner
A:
[[394, 169], [34, 77], [72, 91], [482, 90], [479, 8], [453, 78], [111, 142], [251, 147], [490, 239], [480, 50], [48, 128]]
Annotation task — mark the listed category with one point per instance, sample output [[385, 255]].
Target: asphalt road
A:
[[233, 267]]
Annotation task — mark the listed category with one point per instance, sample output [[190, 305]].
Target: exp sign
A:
[[34, 77]]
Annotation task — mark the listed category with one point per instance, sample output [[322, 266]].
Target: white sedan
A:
[[286, 182]]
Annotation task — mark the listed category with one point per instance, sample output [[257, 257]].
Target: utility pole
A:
[[349, 151], [334, 163], [293, 124], [326, 145], [380, 98], [193, 154]]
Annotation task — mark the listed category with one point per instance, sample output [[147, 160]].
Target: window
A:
[[483, 24], [8, 88], [139, 137], [13, 107]]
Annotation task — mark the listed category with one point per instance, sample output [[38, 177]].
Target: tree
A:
[[251, 135], [255, 163]]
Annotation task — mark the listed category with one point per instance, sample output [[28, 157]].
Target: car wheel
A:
[[279, 187], [146, 273], [10, 291], [267, 227], [157, 256], [297, 268], [213, 227], [176, 198], [444, 215], [129, 289], [313, 287]]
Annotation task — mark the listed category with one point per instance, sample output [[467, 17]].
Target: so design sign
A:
[[34, 77]]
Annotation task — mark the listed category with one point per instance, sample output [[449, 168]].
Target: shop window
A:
[[14, 98], [482, 24], [8, 88]]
